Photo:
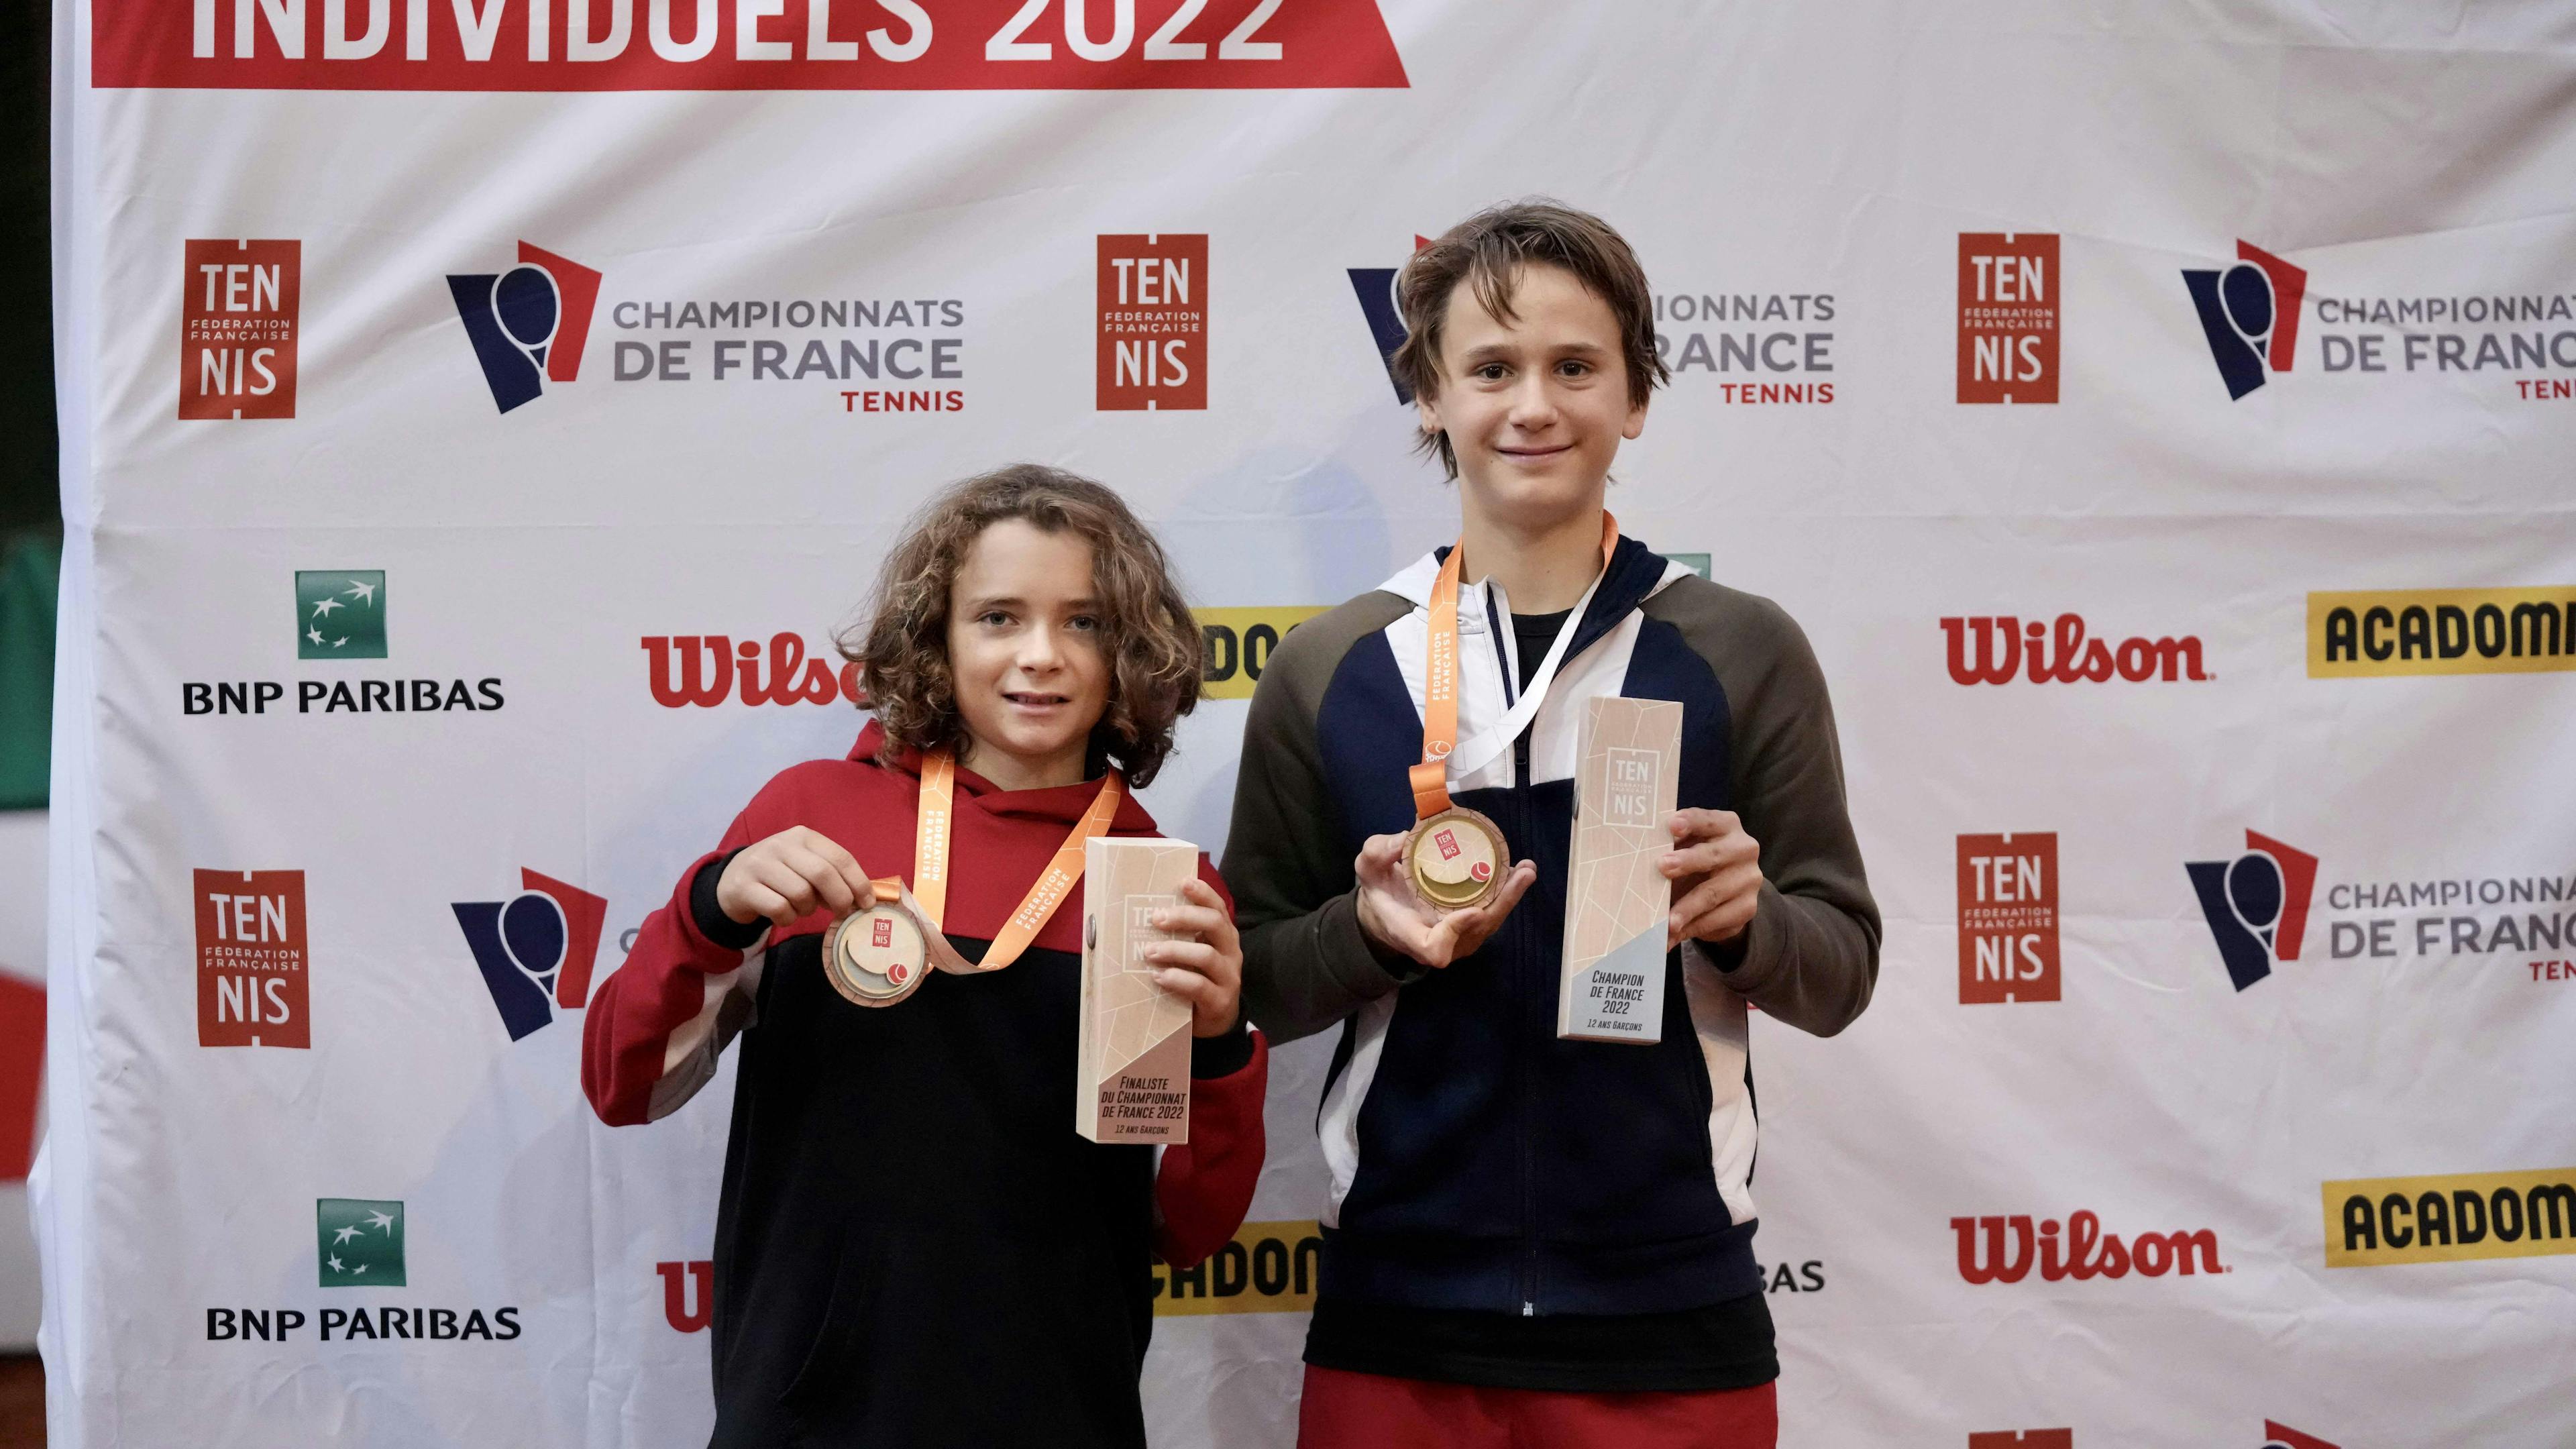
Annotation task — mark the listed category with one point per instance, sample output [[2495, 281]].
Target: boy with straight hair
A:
[[1531, 1239]]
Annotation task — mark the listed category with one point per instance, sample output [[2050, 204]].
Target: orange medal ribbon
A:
[[1430, 779], [930, 860]]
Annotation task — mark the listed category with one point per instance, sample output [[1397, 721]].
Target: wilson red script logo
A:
[[2002, 1250], [711, 669], [676, 1281], [1994, 649]]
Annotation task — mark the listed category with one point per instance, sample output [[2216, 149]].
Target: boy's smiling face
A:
[[1026, 653], [1535, 407]]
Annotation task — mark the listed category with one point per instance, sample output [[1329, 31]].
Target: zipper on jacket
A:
[[1524, 976]]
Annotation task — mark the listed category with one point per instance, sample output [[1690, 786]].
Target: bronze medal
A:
[[877, 957], [1455, 859], [880, 955]]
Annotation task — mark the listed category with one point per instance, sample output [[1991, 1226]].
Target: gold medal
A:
[[877, 957], [1455, 858]]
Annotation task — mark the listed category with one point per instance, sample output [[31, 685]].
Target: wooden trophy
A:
[[1618, 902], [1134, 1045]]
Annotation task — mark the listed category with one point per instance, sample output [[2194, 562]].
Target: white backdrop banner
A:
[[477, 416]]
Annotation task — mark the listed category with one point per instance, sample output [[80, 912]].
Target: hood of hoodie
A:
[[1060, 804], [1636, 574]]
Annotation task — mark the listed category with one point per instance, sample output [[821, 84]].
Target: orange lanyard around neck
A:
[[1430, 779], [930, 840]]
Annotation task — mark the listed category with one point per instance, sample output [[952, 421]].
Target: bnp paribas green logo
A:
[[1696, 562], [340, 614], [361, 1242]]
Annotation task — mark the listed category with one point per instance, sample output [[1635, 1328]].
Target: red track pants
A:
[[1344, 1410]]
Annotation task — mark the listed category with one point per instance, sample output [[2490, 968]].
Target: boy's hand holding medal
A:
[[790, 876], [1397, 916]]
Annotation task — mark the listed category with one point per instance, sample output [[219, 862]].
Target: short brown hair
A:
[[1487, 251], [1151, 642]]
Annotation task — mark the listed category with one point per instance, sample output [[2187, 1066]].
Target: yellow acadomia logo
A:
[[2377, 1222], [2441, 631]]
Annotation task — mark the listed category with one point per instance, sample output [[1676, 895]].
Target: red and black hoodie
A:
[[914, 1248]]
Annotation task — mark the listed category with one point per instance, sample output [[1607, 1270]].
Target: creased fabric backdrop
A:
[[470, 410]]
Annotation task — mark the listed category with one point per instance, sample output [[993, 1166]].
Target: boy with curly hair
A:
[[914, 1247]]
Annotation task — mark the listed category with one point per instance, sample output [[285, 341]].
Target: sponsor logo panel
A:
[[2380, 1222], [2008, 317], [857, 354], [2256, 905], [812, 45], [2487, 333], [529, 325], [1238, 643], [2368, 634], [1153, 296], [253, 982], [1995, 648], [340, 615], [1806, 1277], [1375, 287], [685, 1284], [2005, 1249], [240, 305], [2442, 918], [2008, 943], [706, 670], [2250, 314], [2260, 907], [1268, 1268], [1755, 348], [535, 950], [361, 1243]]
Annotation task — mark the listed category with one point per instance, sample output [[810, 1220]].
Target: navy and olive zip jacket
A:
[[1507, 1208]]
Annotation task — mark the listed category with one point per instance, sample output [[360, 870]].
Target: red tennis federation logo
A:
[[252, 982], [1448, 844], [239, 302], [2008, 946], [1152, 354]]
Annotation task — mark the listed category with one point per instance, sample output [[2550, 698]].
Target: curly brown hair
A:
[[1151, 643], [1487, 252]]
